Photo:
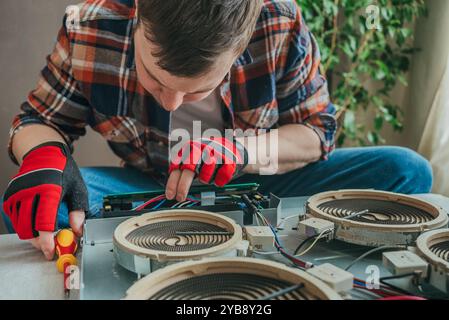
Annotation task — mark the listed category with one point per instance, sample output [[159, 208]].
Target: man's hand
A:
[[47, 176], [215, 160]]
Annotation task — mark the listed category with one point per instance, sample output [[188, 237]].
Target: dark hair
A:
[[190, 34]]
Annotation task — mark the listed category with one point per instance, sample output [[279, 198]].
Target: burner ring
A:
[[384, 210], [376, 218], [164, 236], [177, 235], [230, 279], [441, 250], [434, 247]]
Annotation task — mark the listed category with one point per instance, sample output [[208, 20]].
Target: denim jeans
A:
[[383, 168]]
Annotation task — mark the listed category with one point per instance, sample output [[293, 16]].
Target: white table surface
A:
[[25, 274]]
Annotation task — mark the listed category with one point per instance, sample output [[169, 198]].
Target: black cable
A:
[[384, 282], [302, 244]]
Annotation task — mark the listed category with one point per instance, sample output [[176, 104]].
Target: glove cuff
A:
[[64, 148], [243, 153]]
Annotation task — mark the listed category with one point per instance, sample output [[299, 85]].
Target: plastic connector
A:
[[404, 262], [260, 238], [314, 226], [208, 198], [336, 278], [242, 248]]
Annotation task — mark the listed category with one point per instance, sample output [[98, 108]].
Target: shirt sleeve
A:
[[56, 101], [302, 92]]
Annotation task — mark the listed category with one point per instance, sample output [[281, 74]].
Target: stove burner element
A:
[[231, 286], [178, 236], [376, 218], [377, 211], [433, 247], [152, 241], [230, 279], [441, 250]]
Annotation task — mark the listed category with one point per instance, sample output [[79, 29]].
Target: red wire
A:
[[291, 258], [376, 291], [143, 206], [382, 291], [404, 298]]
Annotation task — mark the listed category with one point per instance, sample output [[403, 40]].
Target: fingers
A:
[[76, 220], [208, 168], [35, 243], [178, 184], [184, 185], [225, 174], [47, 244], [172, 184]]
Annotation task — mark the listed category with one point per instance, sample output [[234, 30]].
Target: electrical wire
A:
[[365, 292], [192, 204], [297, 262], [267, 253], [183, 204], [256, 207], [302, 244], [284, 220], [403, 298], [385, 290], [258, 220], [147, 203], [366, 254], [189, 200], [379, 292], [159, 204], [314, 243], [383, 280]]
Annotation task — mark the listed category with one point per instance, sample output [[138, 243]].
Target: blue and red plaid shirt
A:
[[90, 79]]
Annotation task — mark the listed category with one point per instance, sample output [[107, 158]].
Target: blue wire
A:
[[159, 204], [360, 283], [192, 204]]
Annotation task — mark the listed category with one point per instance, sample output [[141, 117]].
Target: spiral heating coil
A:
[[441, 250], [232, 286], [178, 236], [379, 211]]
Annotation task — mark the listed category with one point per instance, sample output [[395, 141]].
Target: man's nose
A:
[[171, 100]]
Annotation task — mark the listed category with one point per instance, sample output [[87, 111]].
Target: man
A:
[[137, 72]]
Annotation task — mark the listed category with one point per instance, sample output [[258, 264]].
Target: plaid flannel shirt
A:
[[90, 79]]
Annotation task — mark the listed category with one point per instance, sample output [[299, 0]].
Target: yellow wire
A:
[[314, 243]]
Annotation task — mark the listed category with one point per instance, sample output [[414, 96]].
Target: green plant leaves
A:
[[365, 58]]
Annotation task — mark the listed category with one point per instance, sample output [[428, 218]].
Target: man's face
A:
[[171, 91]]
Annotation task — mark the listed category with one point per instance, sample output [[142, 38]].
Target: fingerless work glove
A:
[[47, 176], [215, 160]]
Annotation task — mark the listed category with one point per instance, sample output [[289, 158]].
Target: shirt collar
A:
[[130, 59], [244, 59]]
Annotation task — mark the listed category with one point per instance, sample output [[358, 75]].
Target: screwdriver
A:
[[66, 246]]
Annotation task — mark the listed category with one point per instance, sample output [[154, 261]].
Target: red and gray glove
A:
[[215, 160], [47, 176]]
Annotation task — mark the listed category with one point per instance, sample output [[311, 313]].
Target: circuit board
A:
[[209, 198]]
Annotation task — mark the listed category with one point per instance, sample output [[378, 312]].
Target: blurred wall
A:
[[28, 29], [427, 70]]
